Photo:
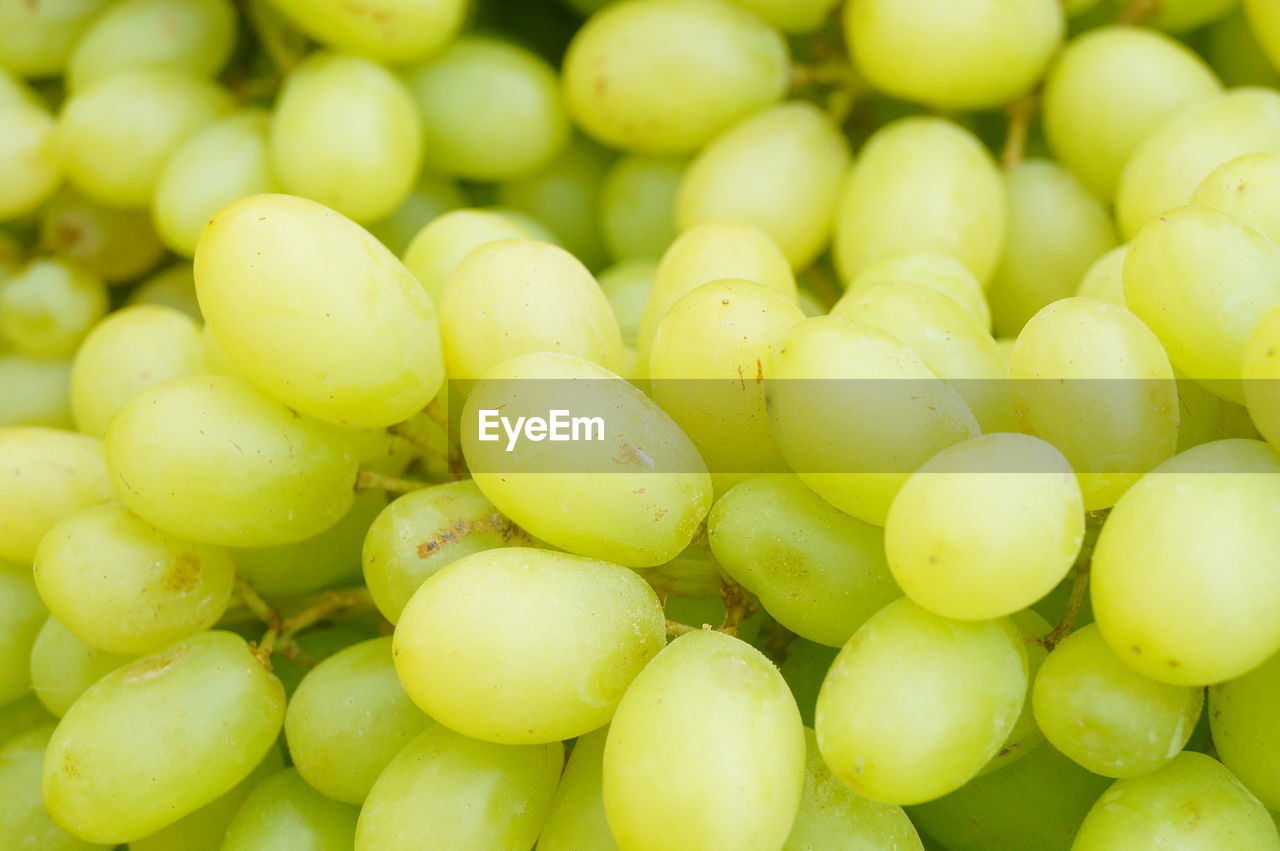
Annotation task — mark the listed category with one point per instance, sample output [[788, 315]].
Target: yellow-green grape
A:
[[24, 614], [284, 813], [708, 363], [210, 459], [1261, 371], [63, 666], [348, 718], [1264, 21], [21, 715], [128, 351], [346, 132], [706, 750], [119, 245], [194, 36], [1236, 55], [639, 76], [576, 821], [1026, 734], [317, 312], [1180, 16], [36, 392], [45, 475], [525, 646], [1056, 229], [173, 287], [23, 820], [1202, 280], [627, 285], [116, 136], [934, 270], [161, 737], [1242, 717], [431, 198], [30, 169], [444, 242], [986, 527], [1104, 279], [639, 506], [1204, 417], [638, 205], [36, 40], [1245, 189], [1165, 169], [517, 296], [445, 791], [1109, 89], [953, 55], [1110, 404], [1105, 715], [534, 226], [48, 307], [793, 199], [791, 16], [491, 109], [222, 163], [830, 366], [1182, 589], [1193, 802], [834, 816], [921, 184], [878, 720], [395, 31]]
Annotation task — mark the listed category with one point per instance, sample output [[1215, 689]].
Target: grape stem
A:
[[370, 480], [1138, 11], [1020, 113], [281, 630], [677, 628], [264, 612], [271, 29], [736, 606], [349, 602], [1075, 601]]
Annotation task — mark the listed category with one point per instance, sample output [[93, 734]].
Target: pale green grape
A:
[[48, 307], [1182, 588], [576, 821], [19, 716], [934, 270], [792, 16], [1242, 716], [1104, 279], [30, 169], [36, 392], [346, 132], [128, 351], [706, 751], [124, 586], [23, 615], [1261, 371], [445, 791], [916, 704], [220, 164], [430, 199], [1193, 802], [1110, 88], [1203, 417], [23, 820], [116, 244], [283, 813], [443, 243], [819, 572], [195, 36], [1181, 16], [1026, 734], [627, 285], [317, 312], [210, 459], [1236, 55], [1264, 22], [921, 184], [639, 75], [638, 205], [116, 136], [173, 286], [953, 55], [63, 666], [1245, 188], [793, 199], [36, 39], [387, 30]]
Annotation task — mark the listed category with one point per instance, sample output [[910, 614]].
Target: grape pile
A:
[[935, 497]]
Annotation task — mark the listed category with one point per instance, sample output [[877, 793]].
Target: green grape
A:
[[23, 820], [1026, 734], [445, 791], [430, 199], [63, 666], [129, 351], [318, 313], [932, 174], [1106, 716], [394, 31], [348, 718], [283, 813], [194, 36], [878, 720], [209, 459], [48, 307], [45, 474], [639, 75], [1204, 417], [627, 285], [159, 738], [118, 245], [124, 586], [819, 572], [934, 270], [1202, 280], [576, 821], [1180, 16], [443, 243], [1242, 717], [1193, 802], [804, 669], [858, 463], [19, 716], [1185, 147], [706, 750], [793, 200], [642, 499], [173, 286], [534, 228], [1113, 408], [37, 39], [986, 527], [1056, 229], [1110, 88], [1104, 279], [1182, 588], [23, 615], [1264, 22], [36, 392], [525, 646], [346, 132], [1261, 371], [492, 110], [834, 816], [116, 136], [1244, 188], [1236, 55], [791, 16], [638, 205], [953, 55], [30, 169], [319, 643], [222, 163]]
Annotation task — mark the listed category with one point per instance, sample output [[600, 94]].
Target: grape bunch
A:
[[920, 366]]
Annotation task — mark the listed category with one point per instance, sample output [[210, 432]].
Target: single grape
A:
[[36, 40], [1026, 735], [118, 245], [283, 813], [1180, 16], [48, 307], [443, 243], [1241, 715], [394, 31], [577, 821], [934, 270], [36, 392], [1260, 368], [1245, 188], [23, 820], [638, 205], [63, 667], [24, 614], [30, 170], [627, 285], [791, 16], [1104, 279]]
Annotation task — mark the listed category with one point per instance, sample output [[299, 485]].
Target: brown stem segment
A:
[[1075, 601], [371, 480], [735, 607], [677, 628], [1138, 11], [1020, 113], [353, 601]]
